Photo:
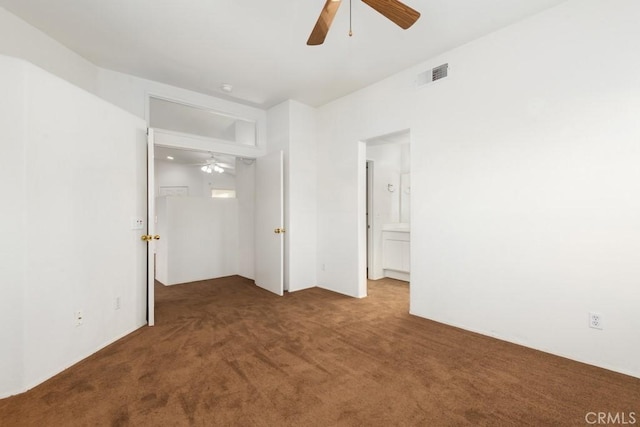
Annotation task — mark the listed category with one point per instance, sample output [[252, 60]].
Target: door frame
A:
[[365, 204], [151, 225], [361, 219], [370, 170]]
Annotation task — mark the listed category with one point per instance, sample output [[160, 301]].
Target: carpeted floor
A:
[[225, 352]]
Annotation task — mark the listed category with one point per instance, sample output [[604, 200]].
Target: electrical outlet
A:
[[595, 320], [79, 318], [137, 223], [117, 303]]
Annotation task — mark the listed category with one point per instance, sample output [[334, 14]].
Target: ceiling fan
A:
[[215, 164], [399, 13]]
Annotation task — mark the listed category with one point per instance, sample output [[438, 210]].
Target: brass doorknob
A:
[[279, 230], [146, 237], [156, 237]]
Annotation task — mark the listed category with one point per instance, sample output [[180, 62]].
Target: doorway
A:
[[388, 205], [204, 215], [240, 242], [181, 124]]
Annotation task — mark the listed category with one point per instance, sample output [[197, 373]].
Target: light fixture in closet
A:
[[210, 168], [217, 164]]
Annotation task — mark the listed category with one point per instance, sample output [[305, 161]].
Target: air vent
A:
[[432, 75], [439, 72]]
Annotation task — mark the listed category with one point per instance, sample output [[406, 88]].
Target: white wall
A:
[[405, 183], [303, 221], [200, 238], [525, 183], [292, 129], [21, 40], [13, 224], [210, 181], [169, 174], [80, 168], [200, 184], [246, 194]]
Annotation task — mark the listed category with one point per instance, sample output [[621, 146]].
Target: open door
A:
[[151, 237], [269, 220]]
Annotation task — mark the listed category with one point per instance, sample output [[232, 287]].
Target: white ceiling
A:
[[259, 46]]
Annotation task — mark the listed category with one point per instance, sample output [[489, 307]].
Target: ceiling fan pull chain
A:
[[350, 32]]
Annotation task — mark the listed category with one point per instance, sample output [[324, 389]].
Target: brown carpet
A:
[[225, 352]]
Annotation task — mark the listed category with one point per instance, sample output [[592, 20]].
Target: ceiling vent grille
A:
[[439, 72], [429, 76]]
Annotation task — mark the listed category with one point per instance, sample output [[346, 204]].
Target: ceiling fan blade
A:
[[325, 19], [401, 14]]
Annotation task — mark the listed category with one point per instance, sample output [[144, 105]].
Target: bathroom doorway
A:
[[388, 207]]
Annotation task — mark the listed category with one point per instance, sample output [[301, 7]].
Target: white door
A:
[[151, 237], [269, 221]]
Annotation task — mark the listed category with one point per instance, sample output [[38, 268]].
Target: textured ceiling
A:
[[260, 46]]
